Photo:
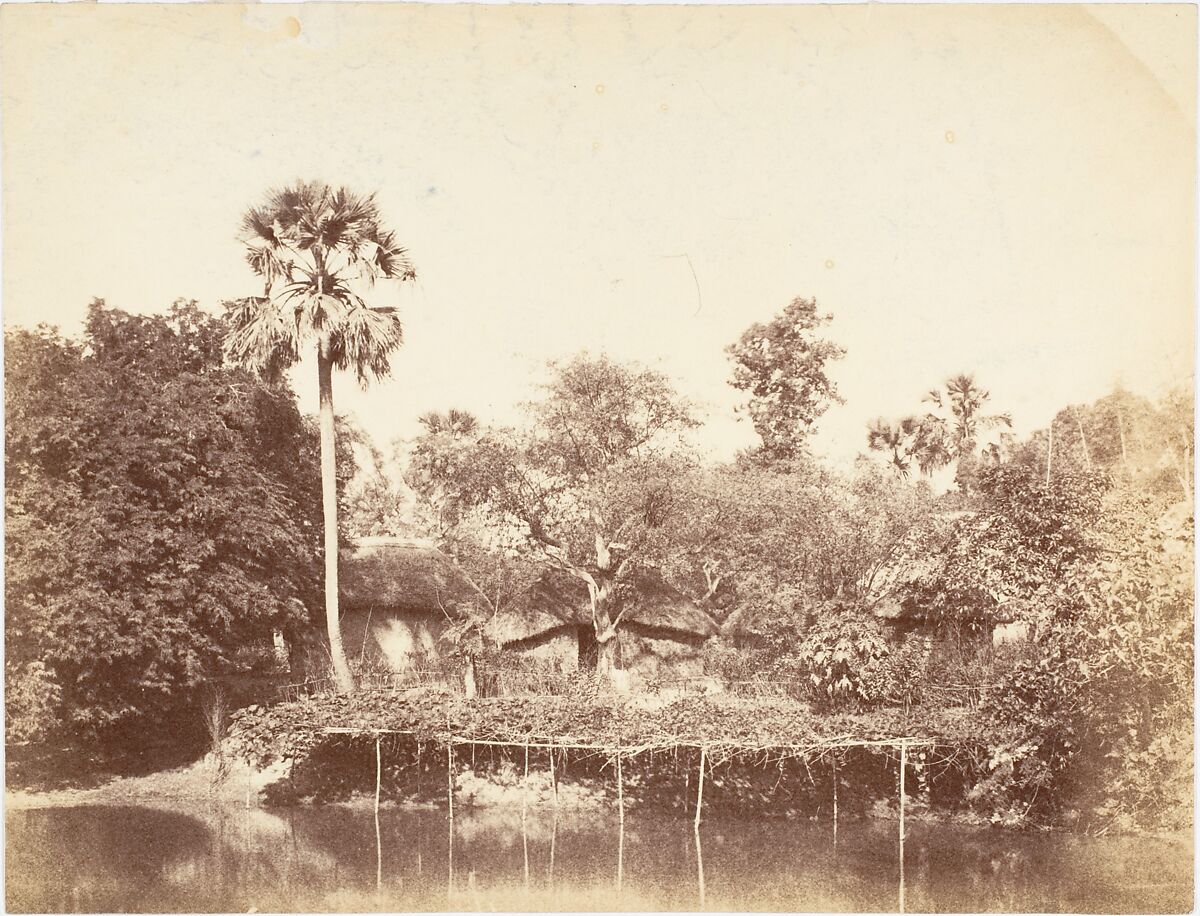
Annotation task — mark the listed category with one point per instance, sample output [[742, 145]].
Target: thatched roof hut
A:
[[397, 573], [558, 601], [386, 582]]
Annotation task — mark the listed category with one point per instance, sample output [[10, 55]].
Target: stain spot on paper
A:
[[599, 89], [949, 136], [829, 263], [291, 27]]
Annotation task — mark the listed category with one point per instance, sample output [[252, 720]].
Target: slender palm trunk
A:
[[1124, 452], [341, 668], [1087, 455], [1050, 451]]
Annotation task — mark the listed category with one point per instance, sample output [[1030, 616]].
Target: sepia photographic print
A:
[[598, 458]]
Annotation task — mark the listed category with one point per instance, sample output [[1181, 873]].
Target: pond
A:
[[155, 859]]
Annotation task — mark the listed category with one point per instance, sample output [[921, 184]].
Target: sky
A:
[[1004, 190]]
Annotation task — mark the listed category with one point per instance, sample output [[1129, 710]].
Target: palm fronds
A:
[[263, 337], [365, 340], [310, 244]]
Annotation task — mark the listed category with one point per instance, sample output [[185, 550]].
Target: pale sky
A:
[[1008, 190]]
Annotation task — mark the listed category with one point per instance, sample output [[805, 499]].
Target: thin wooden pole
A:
[[525, 785], [620, 853], [450, 778], [835, 800], [378, 772], [553, 778], [1087, 455], [1124, 453], [1050, 451], [620, 791], [378, 834], [450, 862], [903, 762], [553, 842], [700, 789], [699, 867], [525, 850]]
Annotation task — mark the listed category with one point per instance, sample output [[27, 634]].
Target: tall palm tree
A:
[[312, 246]]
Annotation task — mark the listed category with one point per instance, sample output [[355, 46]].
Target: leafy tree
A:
[[154, 527], [371, 503], [312, 245], [840, 656], [1099, 721], [1123, 435], [774, 543], [782, 365], [1177, 431], [583, 488], [1013, 552]]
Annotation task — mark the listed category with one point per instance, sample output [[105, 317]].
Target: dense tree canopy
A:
[[782, 365], [159, 519]]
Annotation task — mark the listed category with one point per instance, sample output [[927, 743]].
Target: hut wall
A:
[[400, 639], [660, 656]]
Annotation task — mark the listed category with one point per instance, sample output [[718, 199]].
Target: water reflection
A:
[[335, 858]]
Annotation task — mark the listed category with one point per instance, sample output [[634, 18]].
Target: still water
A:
[[123, 859]]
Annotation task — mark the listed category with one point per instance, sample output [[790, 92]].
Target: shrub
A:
[[841, 657]]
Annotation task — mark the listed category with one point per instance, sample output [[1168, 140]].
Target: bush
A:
[[841, 658]]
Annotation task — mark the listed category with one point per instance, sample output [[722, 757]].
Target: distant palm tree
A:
[[310, 243], [896, 438], [965, 401], [458, 424], [942, 436]]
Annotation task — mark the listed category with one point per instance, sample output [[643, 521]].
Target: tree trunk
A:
[[606, 634], [606, 658], [341, 668], [469, 679], [1181, 469]]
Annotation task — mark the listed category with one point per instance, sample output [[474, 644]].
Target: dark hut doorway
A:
[[589, 648]]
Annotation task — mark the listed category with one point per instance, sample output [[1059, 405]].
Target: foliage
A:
[[289, 730], [371, 502], [312, 246], [152, 526], [948, 432], [770, 542], [1147, 446], [782, 365], [1101, 719], [841, 656], [1009, 557]]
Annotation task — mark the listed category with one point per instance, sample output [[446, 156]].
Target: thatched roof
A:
[[410, 575], [558, 600], [396, 573]]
